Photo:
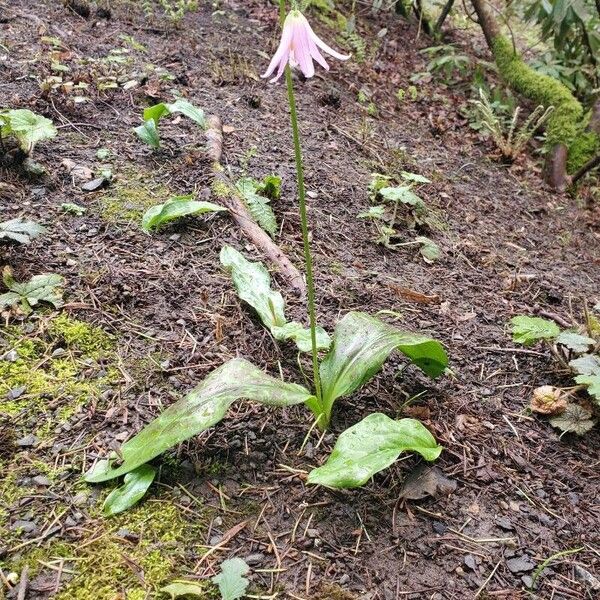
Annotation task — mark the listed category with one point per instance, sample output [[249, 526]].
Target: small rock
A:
[[312, 533], [470, 563], [95, 184], [215, 539], [344, 579], [16, 393], [254, 559], [520, 564], [28, 441], [41, 480], [24, 526], [504, 523], [10, 356], [439, 527], [527, 581], [80, 499], [58, 352]]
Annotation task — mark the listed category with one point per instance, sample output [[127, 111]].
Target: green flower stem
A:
[[304, 222]]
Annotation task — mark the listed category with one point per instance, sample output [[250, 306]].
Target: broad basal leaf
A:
[[528, 330], [402, 194], [184, 107], [20, 230], [175, 208], [148, 133], [40, 288], [593, 385], [370, 446], [574, 341], [204, 406], [361, 344], [257, 205], [301, 335], [575, 419], [29, 128], [252, 283], [588, 364], [230, 580], [135, 485]]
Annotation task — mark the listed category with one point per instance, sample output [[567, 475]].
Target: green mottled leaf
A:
[[370, 446], [298, 333], [593, 383], [202, 408], [230, 581], [179, 589], [575, 419], [374, 212], [574, 341], [528, 330], [163, 109], [28, 127], [135, 485], [148, 133], [257, 205], [588, 364], [361, 344], [20, 230], [175, 208], [252, 283]]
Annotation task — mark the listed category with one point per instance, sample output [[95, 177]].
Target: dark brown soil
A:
[[509, 245]]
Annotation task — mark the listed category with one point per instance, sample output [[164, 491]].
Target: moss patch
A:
[[126, 202], [56, 368], [568, 121]]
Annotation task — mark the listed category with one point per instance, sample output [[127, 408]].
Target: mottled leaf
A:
[[230, 580], [402, 194], [175, 208], [40, 288], [202, 408], [588, 364], [361, 344], [301, 335], [148, 133], [135, 485], [370, 446], [528, 330]]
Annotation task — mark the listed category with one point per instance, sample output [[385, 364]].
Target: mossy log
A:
[[571, 139]]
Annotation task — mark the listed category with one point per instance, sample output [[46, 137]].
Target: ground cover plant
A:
[[240, 361]]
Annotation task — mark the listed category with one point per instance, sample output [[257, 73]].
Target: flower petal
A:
[[321, 44], [314, 52], [301, 48], [283, 50]]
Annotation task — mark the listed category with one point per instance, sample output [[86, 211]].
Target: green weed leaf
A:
[[175, 208], [593, 383], [361, 344], [135, 485], [202, 408], [20, 230], [230, 581], [575, 419], [402, 194], [40, 288], [301, 335], [528, 330], [588, 364], [414, 177], [370, 446], [28, 127], [574, 341], [179, 589], [257, 204], [429, 250]]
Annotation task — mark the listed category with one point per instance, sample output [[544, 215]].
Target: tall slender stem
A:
[[304, 223], [303, 220]]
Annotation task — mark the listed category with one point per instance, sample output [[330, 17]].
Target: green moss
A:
[[125, 203], [568, 121], [64, 382], [113, 565]]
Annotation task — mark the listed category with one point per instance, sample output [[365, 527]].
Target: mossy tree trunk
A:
[[572, 138]]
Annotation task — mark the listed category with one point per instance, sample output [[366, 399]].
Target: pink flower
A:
[[299, 45]]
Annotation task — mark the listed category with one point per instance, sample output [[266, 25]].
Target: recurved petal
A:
[[321, 44], [314, 52], [300, 45], [283, 50]]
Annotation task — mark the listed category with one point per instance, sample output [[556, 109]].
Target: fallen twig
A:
[[228, 196]]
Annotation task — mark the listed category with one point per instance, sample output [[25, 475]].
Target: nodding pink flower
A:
[[299, 45]]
